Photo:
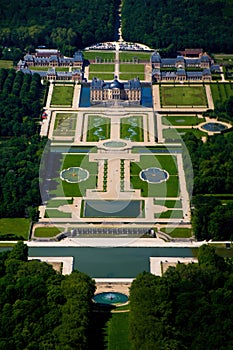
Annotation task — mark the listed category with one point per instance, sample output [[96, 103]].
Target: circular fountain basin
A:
[[111, 298], [154, 175], [115, 144]]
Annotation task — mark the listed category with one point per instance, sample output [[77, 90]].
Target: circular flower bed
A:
[[74, 175]]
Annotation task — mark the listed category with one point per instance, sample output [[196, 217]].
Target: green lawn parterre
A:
[[129, 76], [188, 120], [104, 55], [103, 76], [65, 124], [221, 91], [98, 128], [62, 95], [47, 232], [177, 232], [129, 56], [132, 128], [183, 96], [101, 67], [127, 68]]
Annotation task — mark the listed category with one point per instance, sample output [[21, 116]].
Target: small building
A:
[[115, 91]]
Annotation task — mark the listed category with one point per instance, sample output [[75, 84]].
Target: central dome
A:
[[116, 84]]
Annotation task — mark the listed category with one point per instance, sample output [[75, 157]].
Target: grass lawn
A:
[[53, 213], [168, 203], [176, 134], [98, 128], [62, 95], [101, 67], [6, 64], [103, 76], [182, 120], [221, 92], [55, 203], [104, 55], [183, 96], [117, 332], [65, 189], [223, 58], [132, 128], [14, 226], [129, 76], [177, 232], [127, 68], [47, 231], [126, 56], [170, 214], [58, 69], [65, 124], [169, 188]]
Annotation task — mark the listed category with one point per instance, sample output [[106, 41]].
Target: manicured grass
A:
[[55, 203], [58, 69], [183, 96], [168, 203], [129, 76], [127, 68], [62, 95], [177, 232], [103, 76], [101, 67], [170, 214], [223, 58], [117, 332], [105, 55], [53, 213], [132, 128], [98, 128], [65, 124], [14, 226], [175, 135], [221, 92], [182, 120], [47, 232], [65, 189], [6, 64], [145, 56], [169, 188]]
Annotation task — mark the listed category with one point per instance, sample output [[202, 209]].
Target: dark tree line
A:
[[66, 25], [176, 24], [189, 308], [40, 308], [21, 147]]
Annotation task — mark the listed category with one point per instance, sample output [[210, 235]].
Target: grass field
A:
[[101, 67], [65, 124], [14, 226], [47, 232], [64, 189], [128, 68], [170, 214], [169, 188], [168, 203], [182, 120], [132, 128], [103, 76], [128, 56], [62, 95], [98, 128], [104, 55], [176, 134], [177, 232], [117, 332], [6, 64], [55, 203], [129, 76], [221, 92], [54, 213], [183, 96]]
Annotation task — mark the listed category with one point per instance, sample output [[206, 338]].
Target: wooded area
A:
[[179, 24], [189, 308], [66, 25], [40, 308]]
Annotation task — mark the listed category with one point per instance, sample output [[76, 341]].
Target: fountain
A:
[[110, 298]]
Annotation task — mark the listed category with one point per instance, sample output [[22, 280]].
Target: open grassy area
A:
[[183, 96], [169, 188], [65, 124], [55, 203], [103, 76], [129, 76], [168, 203], [127, 68], [221, 91], [170, 214], [17, 227], [117, 332], [175, 135], [101, 67], [47, 232], [98, 128], [6, 64], [61, 188], [129, 56], [188, 120], [54, 213], [132, 128], [177, 232], [104, 55], [62, 95]]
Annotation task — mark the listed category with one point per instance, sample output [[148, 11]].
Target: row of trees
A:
[[176, 24], [62, 24], [190, 307], [41, 309]]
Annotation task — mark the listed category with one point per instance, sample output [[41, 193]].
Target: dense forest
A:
[[63, 24], [179, 24], [21, 97], [189, 308], [40, 308]]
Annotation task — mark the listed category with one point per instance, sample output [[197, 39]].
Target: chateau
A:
[[129, 92]]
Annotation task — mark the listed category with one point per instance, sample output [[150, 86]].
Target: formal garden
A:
[[183, 96], [98, 128], [62, 95], [131, 128], [65, 124]]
